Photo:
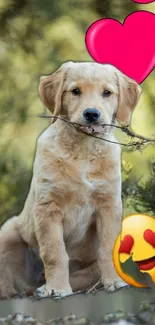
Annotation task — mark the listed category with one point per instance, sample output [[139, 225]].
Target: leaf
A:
[[131, 268]]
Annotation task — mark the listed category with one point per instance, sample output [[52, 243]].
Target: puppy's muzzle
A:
[[91, 115]]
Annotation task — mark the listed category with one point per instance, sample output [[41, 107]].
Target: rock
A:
[[19, 319], [146, 315]]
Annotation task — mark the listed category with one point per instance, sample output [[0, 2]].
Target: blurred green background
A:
[[36, 37]]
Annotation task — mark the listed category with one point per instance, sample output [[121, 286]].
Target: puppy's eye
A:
[[106, 93], [76, 91]]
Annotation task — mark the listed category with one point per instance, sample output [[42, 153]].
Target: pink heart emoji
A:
[[143, 1], [130, 46]]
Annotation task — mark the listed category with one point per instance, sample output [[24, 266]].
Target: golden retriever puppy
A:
[[73, 211]]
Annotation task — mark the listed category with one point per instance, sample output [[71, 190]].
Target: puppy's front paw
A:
[[48, 291], [7, 291], [113, 285]]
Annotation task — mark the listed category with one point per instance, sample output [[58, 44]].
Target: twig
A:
[[137, 144], [94, 288]]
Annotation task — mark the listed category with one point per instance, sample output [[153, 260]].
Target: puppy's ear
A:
[[51, 89], [129, 93]]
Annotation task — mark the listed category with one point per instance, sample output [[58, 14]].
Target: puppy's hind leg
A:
[[12, 260], [84, 279]]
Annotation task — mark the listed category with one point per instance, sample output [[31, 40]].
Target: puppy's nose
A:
[[91, 115]]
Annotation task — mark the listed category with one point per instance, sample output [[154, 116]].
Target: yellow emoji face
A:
[[136, 240]]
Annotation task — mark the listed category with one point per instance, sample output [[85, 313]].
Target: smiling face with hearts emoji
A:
[[137, 240]]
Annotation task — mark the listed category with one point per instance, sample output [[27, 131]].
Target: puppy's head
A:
[[90, 94]]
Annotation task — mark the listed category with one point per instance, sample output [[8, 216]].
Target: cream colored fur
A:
[[73, 211]]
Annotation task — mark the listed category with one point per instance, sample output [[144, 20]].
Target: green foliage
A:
[[15, 180], [145, 194], [128, 186], [139, 195]]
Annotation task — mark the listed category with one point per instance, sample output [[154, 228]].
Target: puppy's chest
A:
[[90, 174], [80, 182]]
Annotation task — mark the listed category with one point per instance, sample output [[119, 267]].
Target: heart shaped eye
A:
[[149, 236], [126, 244]]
